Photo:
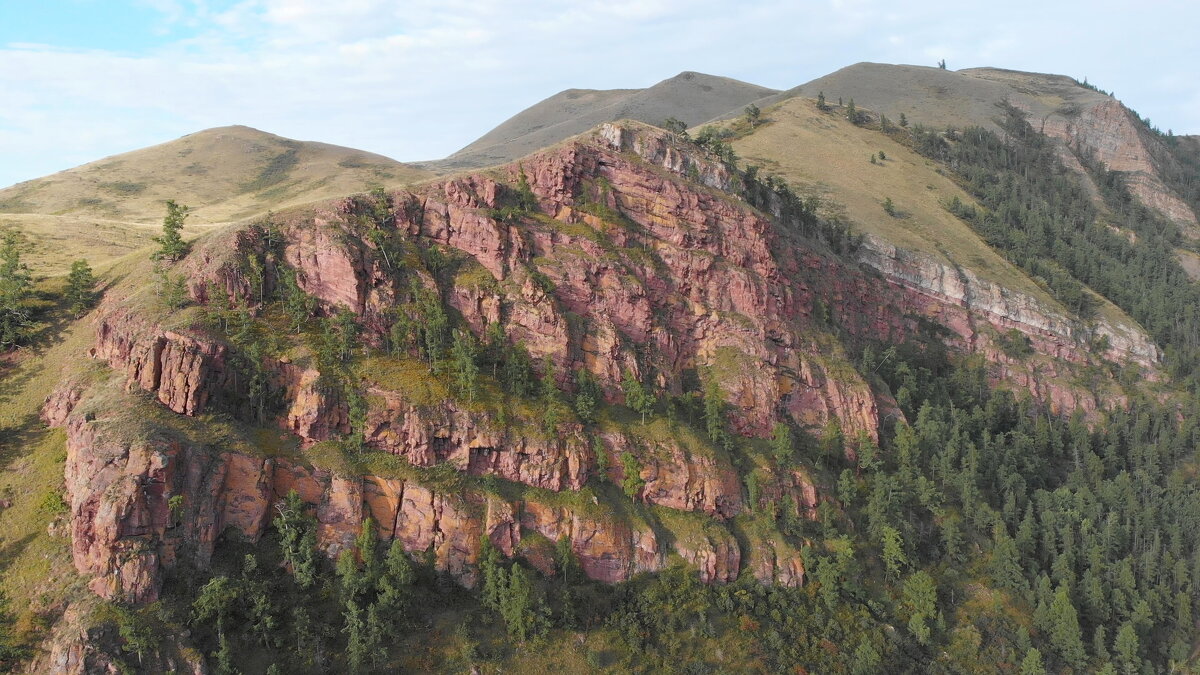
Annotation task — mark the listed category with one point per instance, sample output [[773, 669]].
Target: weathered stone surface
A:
[[676, 278], [1110, 133]]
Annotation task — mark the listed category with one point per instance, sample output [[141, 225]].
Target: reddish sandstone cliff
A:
[[642, 259], [140, 497]]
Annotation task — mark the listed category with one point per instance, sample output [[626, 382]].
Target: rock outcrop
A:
[[140, 498], [640, 259], [1110, 133]]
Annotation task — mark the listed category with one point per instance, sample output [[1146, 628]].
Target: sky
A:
[[418, 79]]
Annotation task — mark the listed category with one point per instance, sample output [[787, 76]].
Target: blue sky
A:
[[83, 79]]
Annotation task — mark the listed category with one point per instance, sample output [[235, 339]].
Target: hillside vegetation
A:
[[109, 207], [638, 402]]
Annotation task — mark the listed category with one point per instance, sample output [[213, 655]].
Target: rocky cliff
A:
[[141, 496], [636, 258], [1111, 133]]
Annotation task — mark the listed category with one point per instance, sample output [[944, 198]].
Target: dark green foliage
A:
[[81, 286], [773, 195], [1015, 344], [588, 396], [516, 374], [254, 345], [782, 445], [1043, 219], [675, 126], [298, 305], [753, 115], [631, 469], [888, 207], [516, 203], [171, 288], [509, 590], [171, 246], [465, 353], [715, 141], [15, 289], [554, 410], [821, 104], [297, 538], [638, 396]]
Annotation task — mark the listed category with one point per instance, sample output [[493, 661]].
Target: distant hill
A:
[[941, 98], [1089, 123], [114, 205], [691, 97]]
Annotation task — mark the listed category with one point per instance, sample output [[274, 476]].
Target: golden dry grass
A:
[[37, 573], [101, 210], [823, 153]]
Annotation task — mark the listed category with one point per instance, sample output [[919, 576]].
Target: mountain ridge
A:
[[690, 96]]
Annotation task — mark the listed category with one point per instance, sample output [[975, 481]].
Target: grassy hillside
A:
[[823, 153], [107, 208], [37, 574], [691, 97], [942, 98]]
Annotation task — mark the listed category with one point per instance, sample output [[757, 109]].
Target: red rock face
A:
[[136, 505], [680, 277], [475, 443], [1110, 132], [690, 279], [184, 371]]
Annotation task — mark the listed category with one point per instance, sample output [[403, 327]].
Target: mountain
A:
[[106, 208], [691, 97], [805, 392], [1090, 124]]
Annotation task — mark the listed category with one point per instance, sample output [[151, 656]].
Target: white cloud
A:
[[420, 78]]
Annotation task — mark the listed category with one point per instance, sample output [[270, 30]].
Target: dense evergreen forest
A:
[[983, 534], [1039, 214]]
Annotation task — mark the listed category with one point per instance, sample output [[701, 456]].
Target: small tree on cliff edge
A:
[[171, 246]]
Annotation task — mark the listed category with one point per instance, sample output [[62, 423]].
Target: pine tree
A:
[[522, 607], [15, 287], [298, 305], [714, 410], [781, 444], [1032, 663], [465, 353], [395, 584], [171, 246], [1005, 564], [632, 482], [80, 286], [637, 396], [821, 104], [675, 126], [297, 538], [753, 115], [893, 551], [1126, 648], [1065, 634]]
